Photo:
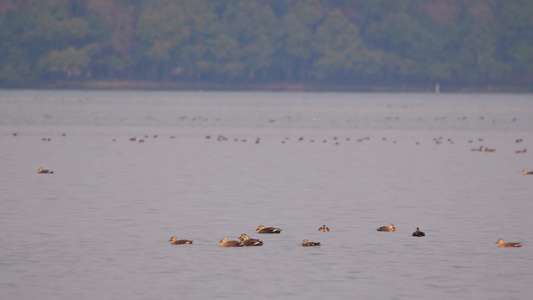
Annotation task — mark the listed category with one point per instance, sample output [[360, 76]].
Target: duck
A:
[[224, 242], [418, 232], [247, 241], [489, 149], [389, 228], [521, 151], [263, 229], [478, 149], [503, 244], [526, 172], [324, 228], [174, 241], [307, 243], [42, 171]]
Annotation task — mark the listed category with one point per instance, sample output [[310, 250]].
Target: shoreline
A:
[[274, 87]]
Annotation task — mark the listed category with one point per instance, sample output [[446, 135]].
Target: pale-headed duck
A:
[[263, 229], [502, 244], [174, 241], [324, 228], [247, 241], [307, 243], [42, 171], [389, 228], [224, 242]]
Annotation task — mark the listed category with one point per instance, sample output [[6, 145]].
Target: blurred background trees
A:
[[358, 42]]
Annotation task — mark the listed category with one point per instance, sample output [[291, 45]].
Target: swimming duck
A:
[[521, 151], [418, 232], [527, 173], [174, 241], [42, 171], [502, 244], [224, 242], [324, 228], [389, 228], [263, 229], [478, 149], [489, 149], [307, 243], [247, 241]]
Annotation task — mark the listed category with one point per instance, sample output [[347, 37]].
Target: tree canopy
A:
[[359, 42]]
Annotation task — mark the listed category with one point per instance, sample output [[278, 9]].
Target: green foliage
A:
[[339, 47], [375, 42], [70, 62]]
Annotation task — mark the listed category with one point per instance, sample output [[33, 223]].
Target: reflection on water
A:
[[98, 227]]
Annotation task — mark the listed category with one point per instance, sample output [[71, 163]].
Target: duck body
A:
[[263, 229], [307, 243], [521, 151], [418, 233], [489, 149], [389, 228], [502, 244], [224, 242], [43, 171], [252, 243], [478, 149], [249, 242], [174, 241], [526, 172], [324, 228]]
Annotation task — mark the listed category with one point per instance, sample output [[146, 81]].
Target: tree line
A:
[[344, 42]]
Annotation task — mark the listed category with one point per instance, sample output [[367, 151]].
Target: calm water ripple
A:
[[98, 227]]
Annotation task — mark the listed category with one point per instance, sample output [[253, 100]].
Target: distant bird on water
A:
[[263, 229], [526, 172], [478, 149], [389, 228], [502, 244], [224, 242], [521, 151], [307, 243], [43, 171], [247, 241], [324, 228], [174, 241], [418, 232]]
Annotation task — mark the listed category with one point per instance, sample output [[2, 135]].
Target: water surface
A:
[[98, 227]]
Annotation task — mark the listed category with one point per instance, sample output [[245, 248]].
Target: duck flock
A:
[[246, 241]]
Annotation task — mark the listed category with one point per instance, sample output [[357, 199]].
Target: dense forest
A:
[[460, 43]]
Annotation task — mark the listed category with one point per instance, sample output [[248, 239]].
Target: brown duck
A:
[[247, 241], [224, 242], [307, 243], [502, 244], [263, 229], [324, 228], [42, 171], [174, 241], [389, 228]]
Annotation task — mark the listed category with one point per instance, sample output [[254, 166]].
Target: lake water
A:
[[98, 227]]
